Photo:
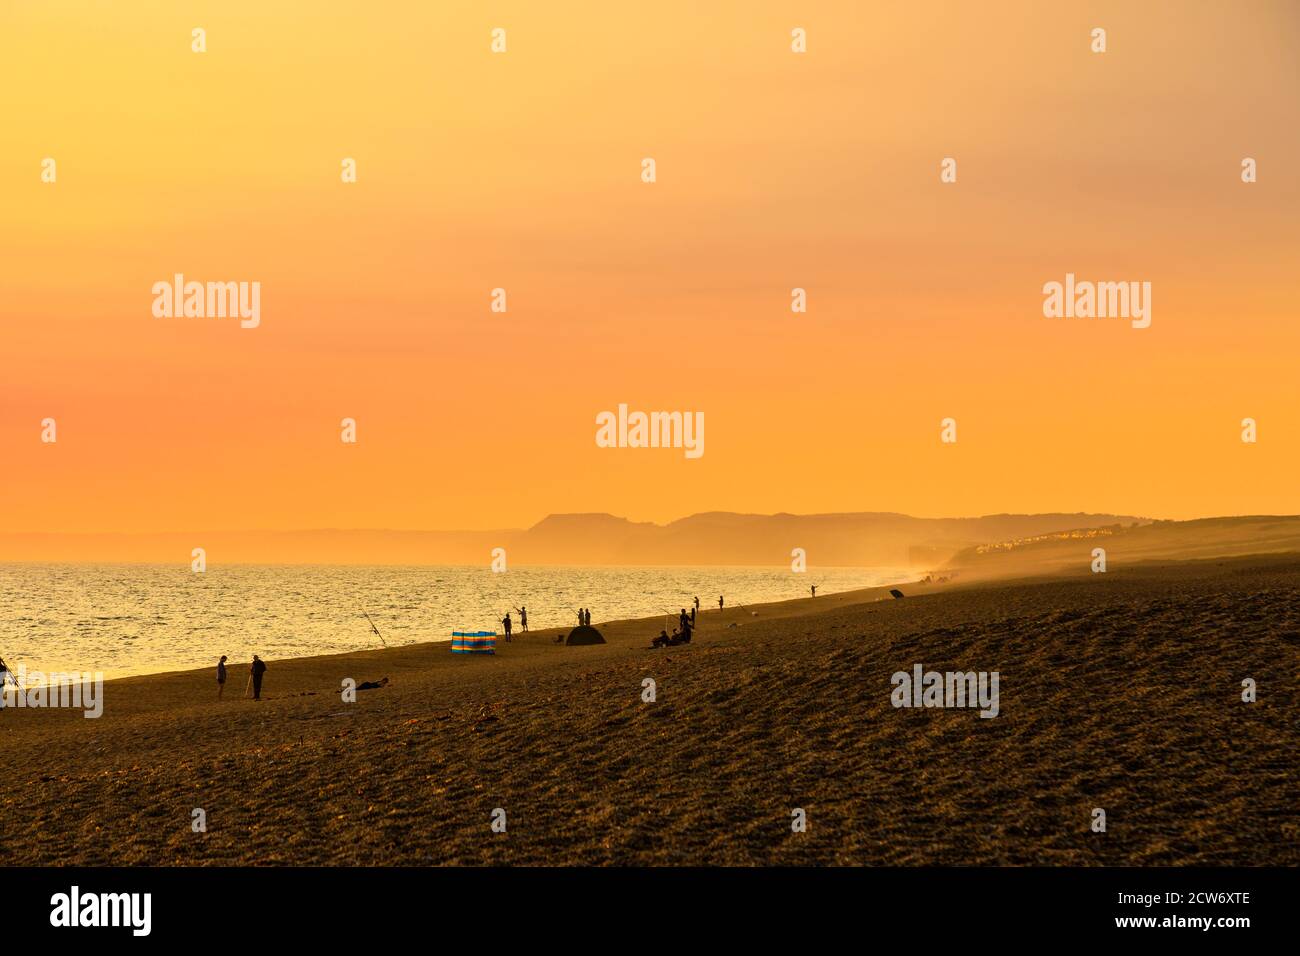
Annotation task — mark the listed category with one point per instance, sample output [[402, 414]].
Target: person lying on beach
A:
[[373, 684]]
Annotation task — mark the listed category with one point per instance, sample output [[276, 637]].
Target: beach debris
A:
[[895, 593]]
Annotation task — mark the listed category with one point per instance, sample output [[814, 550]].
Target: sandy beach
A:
[[1119, 691]]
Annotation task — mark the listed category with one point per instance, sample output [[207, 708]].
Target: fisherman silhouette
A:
[[256, 670]]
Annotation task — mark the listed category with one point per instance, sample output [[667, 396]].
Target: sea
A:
[[127, 619]]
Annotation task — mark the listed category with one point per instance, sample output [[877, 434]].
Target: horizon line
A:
[[605, 514]]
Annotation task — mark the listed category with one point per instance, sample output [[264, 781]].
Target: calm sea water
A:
[[139, 619]]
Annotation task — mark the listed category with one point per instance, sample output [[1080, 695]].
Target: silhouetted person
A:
[[221, 676], [255, 671], [505, 622], [682, 620], [677, 637], [586, 615], [719, 602], [693, 610], [582, 616], [814, 590], [523, 618], [697, 602]]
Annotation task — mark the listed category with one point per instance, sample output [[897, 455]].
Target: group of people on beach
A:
[[681, 635], [508, 625], [256, 671], [584, 620]]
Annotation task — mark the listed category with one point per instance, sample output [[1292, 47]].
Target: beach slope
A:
[[1119, 691]]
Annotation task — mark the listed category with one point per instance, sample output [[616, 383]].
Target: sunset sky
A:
[[522, 170]]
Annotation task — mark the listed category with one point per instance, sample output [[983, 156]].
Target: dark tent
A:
[[584, 635], [895, 592]]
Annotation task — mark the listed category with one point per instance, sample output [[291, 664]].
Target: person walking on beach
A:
[[505, 622], [221, 676], [255, 672], [523, 618]]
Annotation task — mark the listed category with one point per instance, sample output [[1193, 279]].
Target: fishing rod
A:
[[373, 628], [9, 677]]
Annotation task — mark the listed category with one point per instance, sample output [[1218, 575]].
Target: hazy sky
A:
[[522, 170]]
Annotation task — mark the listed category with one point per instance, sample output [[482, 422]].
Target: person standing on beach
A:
[[221, 676], [814, 590], [697, 602], [719, 602], [682, 620], [523, 618], [693, 610], [505, 622], [589, 617], [582, 616], [255, 671]]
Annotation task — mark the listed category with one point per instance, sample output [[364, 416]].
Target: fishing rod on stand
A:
[[373, 628]]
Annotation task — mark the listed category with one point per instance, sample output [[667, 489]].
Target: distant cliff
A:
[[864, 539]]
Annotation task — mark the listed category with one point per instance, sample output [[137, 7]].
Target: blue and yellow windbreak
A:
[[473, 642]]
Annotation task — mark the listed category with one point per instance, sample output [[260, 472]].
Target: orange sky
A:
[[521, 170]]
